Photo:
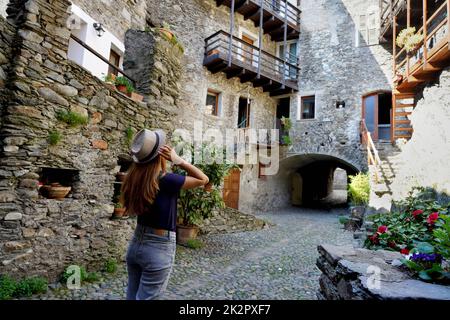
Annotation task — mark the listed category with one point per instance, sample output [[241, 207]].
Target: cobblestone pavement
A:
[[275, 263]]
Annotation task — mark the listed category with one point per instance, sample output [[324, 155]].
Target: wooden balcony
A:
[[275, 14], [431, 55], [236, 58], [388, 10]]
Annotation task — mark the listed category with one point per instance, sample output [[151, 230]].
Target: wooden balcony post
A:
[[231, 32], [394, 44], [425, 33], [408, 24], [283, 79], [448, 20], [261, 16]]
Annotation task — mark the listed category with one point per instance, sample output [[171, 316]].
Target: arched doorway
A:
[[377, 113]]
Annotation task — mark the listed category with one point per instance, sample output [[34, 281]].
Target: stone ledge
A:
[[347, 273]]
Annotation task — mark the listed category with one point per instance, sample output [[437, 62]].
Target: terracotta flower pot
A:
[[122, 88], [136, 97], [58, 192], [119, 212], [185, 233]]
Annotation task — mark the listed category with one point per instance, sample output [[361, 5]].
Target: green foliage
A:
[[108, 78], [343, 219], [173, 39], [10, 288], [54, 137], [194, 244], [287, 123], [110, 266], [286, 140], [420, 227], [359, 189], [71, 118], [198, 204], [129, 134], [123, 81]]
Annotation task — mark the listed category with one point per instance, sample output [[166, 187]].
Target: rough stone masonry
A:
[[40, 236]]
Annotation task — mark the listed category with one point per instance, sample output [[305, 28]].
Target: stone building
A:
[[326, 71]]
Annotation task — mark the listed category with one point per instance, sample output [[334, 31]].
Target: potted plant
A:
[[166, 30], [57, 191], [359, 192], [124, 85], [198, 204], [119, 210]]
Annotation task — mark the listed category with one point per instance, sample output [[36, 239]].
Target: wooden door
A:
[[114, 58], [231, 189], [247, 51]]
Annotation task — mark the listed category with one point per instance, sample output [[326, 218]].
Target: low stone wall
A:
[[40, 236], [361, 274], [229, 220], [7, 33]]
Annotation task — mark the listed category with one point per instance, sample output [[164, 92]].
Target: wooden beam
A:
[[240, 5], [273, 87], [219, 68], [408, 24], [262, 82], [425, 31], [252, 14], [219, 2], [236, 73], [248, 76]]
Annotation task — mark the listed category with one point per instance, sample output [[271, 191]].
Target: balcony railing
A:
[[389, 9], [271, 15], [433, 49], [237, 58]]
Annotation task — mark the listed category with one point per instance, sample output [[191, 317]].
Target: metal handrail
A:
[[98, 55], [249, 46], [373, 157]]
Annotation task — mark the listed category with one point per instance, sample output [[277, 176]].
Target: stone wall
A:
[[334, 68], [7, 33], [39, 235], [361, 274], [424, 160], [116, 15]]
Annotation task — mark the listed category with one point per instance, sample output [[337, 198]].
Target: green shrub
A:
[[71, 118], [84, 275], [91, 277], [54, 137], [286, 140], [10, 288], [194, 244], [359, 189], [7, 287], [122, 81], [343, 219], [129, 133], [110, 266]]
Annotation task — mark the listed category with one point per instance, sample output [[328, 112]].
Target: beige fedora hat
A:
[[146, 144]]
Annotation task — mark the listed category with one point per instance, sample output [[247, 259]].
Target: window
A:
[[368, 28], [308, 106], [290, 57], [114, 59], [212, 102], [244, 113]]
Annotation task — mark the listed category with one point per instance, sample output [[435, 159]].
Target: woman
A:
[[151, 193]]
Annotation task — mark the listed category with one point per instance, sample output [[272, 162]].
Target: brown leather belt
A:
[[160, 232]]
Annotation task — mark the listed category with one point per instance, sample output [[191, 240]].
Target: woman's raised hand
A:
[[169, 154]]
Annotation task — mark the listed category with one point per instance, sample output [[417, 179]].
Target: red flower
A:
[[416, 213], [432, 218], [392, 244], [374, 238], [404, 251], [382, 229]]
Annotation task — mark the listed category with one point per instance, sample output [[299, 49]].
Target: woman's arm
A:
[[195, 178]]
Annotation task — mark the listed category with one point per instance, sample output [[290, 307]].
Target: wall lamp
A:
[[99, 28]]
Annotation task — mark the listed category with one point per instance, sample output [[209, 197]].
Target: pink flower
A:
[[382, 229], [432, 218], [374, 238], [416, 213]]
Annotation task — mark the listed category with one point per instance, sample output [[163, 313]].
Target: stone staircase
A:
[[381, 177]]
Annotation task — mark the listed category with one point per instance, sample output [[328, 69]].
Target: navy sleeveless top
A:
[[162, 214]]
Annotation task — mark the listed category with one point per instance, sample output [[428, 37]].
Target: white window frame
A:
[[365, 34], [299, 105]]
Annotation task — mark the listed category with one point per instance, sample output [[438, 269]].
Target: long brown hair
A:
[[141, 185]]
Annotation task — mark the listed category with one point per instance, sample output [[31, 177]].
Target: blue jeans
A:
[[150, 259]]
